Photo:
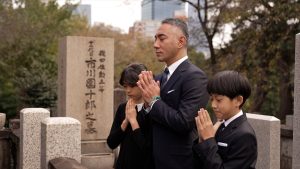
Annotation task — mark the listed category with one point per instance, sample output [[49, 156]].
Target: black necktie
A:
[[222, 127], [164, 77], [219, 131]]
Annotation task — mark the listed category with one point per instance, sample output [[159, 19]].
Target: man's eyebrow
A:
[[159, 35]]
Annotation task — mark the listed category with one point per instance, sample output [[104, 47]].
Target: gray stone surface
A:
[[86, 73], [289, 121], [97, 146], [296, 122], [30, 136], [98, 160], [267, 130], [60, 138], [286, 144], [86, 86]]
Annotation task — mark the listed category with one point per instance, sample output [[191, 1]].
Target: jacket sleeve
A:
[[241, 154], [116, 134], [142, 136]]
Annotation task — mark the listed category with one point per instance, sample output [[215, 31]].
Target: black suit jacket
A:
[[233, 148], [135, 150], [173, 117]]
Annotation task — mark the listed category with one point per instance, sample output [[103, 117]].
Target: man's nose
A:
[[156, 44]]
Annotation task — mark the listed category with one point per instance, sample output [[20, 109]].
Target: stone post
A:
[[296, 122], [60, 138], [267, 130], [30, 136]]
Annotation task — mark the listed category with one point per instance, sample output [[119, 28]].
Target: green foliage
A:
[[198, 58], [263, 48], [28, 52]]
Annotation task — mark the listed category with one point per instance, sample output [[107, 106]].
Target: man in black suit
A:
[[173, 98]]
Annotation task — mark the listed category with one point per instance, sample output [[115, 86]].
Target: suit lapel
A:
[[176, 74]]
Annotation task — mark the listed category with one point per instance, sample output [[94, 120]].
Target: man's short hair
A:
[[179, 24]]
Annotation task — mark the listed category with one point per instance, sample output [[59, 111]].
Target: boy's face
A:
[[133, 92], [224, 107]]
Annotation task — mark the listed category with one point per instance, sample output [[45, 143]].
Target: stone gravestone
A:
[[85, 92], [296, 122]]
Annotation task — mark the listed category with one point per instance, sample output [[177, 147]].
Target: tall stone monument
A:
[[296, 121], [85, 92]]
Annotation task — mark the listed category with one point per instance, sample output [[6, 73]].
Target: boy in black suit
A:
[[233, 145]]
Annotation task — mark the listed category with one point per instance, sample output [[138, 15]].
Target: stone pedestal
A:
[[60, 138], [30, 136], [98, 160], [94, 147], [267, 130]]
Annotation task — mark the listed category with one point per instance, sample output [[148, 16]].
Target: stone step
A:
[[98, 160], [98, 146]]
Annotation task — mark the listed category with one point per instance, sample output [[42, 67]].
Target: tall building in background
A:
[[153, 12], [85, 11], [160, 9]]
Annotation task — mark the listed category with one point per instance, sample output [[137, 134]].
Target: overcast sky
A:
[[118, 13]]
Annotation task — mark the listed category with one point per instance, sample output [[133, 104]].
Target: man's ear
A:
[[182, 42]]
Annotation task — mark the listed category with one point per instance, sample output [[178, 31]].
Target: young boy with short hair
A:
[[233, 145]]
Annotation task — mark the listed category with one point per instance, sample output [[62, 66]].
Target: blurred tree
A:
[[212, 15], [29, 34], [263, 47]]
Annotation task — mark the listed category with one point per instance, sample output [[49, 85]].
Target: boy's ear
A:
[[239, 100]]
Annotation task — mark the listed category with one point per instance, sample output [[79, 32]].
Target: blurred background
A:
[[254, 37]]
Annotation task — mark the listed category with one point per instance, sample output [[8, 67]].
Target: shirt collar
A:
[[174, 66], [139, 106], [226, 123]]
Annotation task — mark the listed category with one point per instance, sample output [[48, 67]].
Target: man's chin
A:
[[160, 59]]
